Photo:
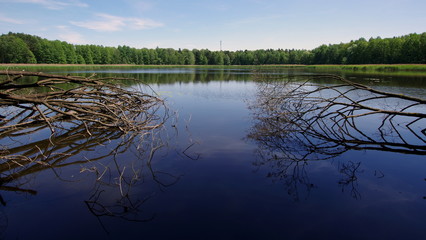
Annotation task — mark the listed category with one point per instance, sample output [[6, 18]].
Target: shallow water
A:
[[210, 180]]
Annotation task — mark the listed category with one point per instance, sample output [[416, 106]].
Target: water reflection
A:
[[118, 166], [297, 122], [116, 159], [172, 75], [140, 177]]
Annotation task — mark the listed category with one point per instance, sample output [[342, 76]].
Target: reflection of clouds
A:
[[318, 167], [217, 90], [389, 190], [213, 144], [389, 193]]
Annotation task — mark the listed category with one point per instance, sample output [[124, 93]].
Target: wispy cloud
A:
[[10, 20], [254, 20], [52, 4], [142, 6], [70, 36], [221, 7], [110, 23]]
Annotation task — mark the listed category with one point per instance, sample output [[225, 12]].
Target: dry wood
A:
[[89, 100], [337, 114], [79, 113], [298, 120], [48, 121]]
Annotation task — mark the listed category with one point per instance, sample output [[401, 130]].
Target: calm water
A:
[[210, 179]]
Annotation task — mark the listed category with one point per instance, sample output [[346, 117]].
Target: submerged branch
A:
[[297, 120], [89, 100], [46, 119]]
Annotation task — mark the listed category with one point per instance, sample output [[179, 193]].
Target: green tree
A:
[[33, 43], [188, 56], [422, 50], [85, 52], [69, 51], [58, 53], [80, 59], [15, 50], [411, 49], [405, 49]]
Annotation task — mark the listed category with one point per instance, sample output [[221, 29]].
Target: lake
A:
[[224, 166]]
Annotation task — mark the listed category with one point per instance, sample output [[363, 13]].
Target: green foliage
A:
[[14, 50], [24, 48], [405, 49]]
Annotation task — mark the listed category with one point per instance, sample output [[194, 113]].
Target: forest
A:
[[25, 48]]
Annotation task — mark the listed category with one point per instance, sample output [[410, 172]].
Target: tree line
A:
[[24, 48]]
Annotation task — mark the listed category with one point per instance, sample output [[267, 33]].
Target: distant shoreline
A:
[[354, 67]]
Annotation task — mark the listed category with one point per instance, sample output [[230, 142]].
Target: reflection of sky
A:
[[222, 195], [216, 110]]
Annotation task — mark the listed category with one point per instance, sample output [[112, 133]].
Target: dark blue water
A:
[[208, 179]]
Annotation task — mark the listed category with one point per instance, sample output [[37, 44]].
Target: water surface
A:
[[208, 179]]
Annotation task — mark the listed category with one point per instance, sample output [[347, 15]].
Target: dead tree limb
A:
[[56, 98], [298, 120], [48, 122], [348, 115], [45, 119]]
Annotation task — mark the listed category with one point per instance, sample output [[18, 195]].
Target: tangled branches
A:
[[53, 121], [74, 100], [331, 118], [46, 119], [298, 120]]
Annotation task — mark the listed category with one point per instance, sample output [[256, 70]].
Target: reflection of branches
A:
[[293, 173], [53, 152], [347, 115], [301, 121], [81, 113], [117, 193], [76, 116], [349, 171], [122, 208]]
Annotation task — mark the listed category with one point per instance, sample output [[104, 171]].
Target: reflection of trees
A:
[[81, 121], [297, 122], [174, 75]]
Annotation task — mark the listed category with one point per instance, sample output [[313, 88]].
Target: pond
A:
[[224, 167]]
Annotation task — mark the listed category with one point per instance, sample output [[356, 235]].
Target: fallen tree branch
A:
[[342, 113], [73, 98], [298, 120]]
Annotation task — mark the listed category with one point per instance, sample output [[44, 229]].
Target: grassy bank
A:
[[373, 67], [399, 69]]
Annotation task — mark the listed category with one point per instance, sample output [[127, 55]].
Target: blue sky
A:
[[239, 24]]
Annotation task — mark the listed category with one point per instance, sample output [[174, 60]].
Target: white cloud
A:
[[143, 6], [254, 20], [138, 23], [105, 23], [52, 4], [67, 35], [10, 20], [72, 37], [109, 23]]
